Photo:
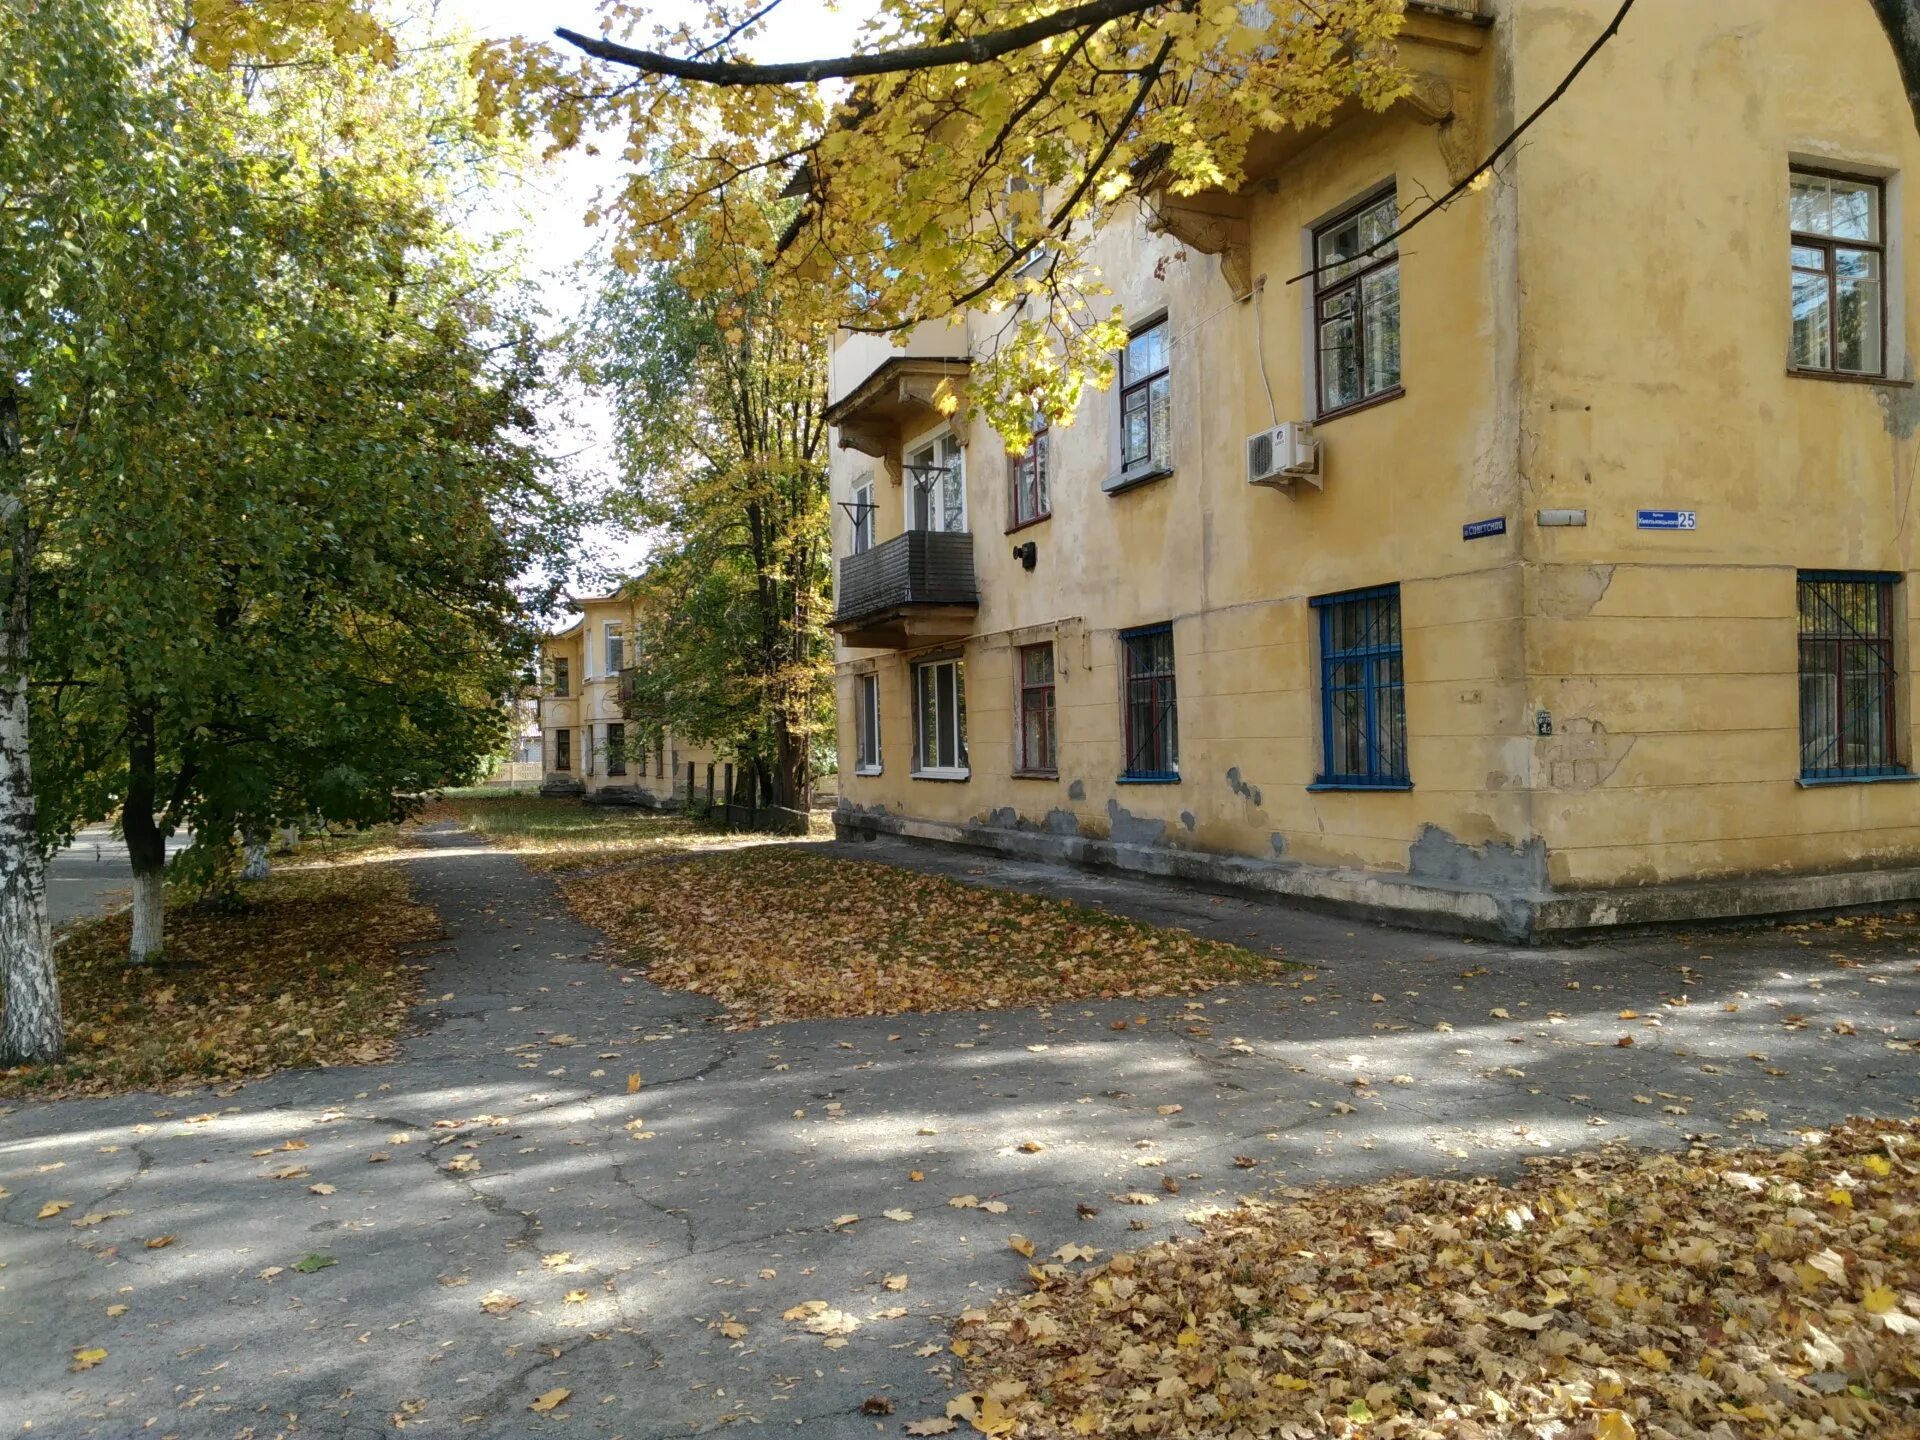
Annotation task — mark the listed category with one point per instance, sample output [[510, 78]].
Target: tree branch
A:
[[974, 50]]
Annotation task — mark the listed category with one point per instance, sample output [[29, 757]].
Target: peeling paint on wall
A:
[[1187, 819], [1062, 822], [1570, 592], [1496, 867], [1247, 792], [1583, 756], [1126, 828], [1077, 790], [1900, 406]]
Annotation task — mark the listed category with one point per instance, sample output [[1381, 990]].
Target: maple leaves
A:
[[775, 935], [306, 975], [1612, 1295]]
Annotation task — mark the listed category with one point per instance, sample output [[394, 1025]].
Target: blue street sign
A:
[[1665, 520], [1480, 529]]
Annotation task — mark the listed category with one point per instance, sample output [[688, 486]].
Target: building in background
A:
[[1549, 569], [592, 746]]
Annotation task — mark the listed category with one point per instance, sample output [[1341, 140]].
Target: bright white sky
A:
[[549, 210]]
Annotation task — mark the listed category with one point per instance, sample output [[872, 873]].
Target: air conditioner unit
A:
[[1284, 454]]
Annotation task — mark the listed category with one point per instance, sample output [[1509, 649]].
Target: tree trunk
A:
[[1901, 20], [32, 1031], [146, 842]]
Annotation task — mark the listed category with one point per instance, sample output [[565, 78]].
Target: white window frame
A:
[[612, 633], [866, 724], [962, 769], [864, 516], [935, 439]]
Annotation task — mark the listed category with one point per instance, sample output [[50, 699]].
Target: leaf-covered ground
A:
[[775, 934], [560, 835], [306, 974], [1712, 1295]]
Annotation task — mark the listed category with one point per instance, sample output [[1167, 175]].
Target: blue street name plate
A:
[[1480, 529], [1665, 520]]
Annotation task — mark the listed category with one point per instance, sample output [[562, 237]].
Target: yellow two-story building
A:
[[1548, 568], [591, 746]]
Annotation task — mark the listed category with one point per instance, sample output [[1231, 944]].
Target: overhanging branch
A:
[[974, 50]]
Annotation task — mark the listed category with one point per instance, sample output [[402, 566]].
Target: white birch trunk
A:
[[31, 1031], [149, 915], [258, 866]]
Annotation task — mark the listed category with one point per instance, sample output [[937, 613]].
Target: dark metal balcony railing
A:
[[917, 567]]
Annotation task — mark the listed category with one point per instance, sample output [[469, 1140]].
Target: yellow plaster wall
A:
[[1232, 566], [1653, 244]]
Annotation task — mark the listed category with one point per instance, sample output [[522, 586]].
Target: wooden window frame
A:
[[865, 510], [1129, 384], [1035, 462], [962, 768], [1027, 696], [1827, 244], [562, 678], [563, 750], [1162, 692], [1324, 291], [616, 748], [1845, 640], [1369, 656], [660, 753], [611, 634], [866, 723]]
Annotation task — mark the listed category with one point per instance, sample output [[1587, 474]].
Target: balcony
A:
[[915, 589]]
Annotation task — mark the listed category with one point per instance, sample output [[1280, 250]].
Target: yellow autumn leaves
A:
[[1605, 1297], [778, 935]]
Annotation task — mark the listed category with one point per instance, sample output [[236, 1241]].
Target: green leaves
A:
[[310, 1263]]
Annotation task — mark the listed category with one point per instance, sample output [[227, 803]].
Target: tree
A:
[[719, 415], [968, 166], [270, 469]]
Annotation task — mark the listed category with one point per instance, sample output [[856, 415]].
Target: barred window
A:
[[1847, 728], [1363, 712], [1152, 719]]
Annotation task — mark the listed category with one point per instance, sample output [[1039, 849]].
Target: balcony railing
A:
[[919, 569]]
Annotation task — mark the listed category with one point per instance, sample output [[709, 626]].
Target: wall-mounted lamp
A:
[[1028, 555]]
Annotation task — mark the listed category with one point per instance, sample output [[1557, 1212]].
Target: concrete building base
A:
[[1492, 911]]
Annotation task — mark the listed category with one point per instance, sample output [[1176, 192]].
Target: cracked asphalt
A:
[[501, 1158]]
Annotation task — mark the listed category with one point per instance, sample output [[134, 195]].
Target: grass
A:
[[306, 974], [1615, 1295], [562, 835], [778, 934]]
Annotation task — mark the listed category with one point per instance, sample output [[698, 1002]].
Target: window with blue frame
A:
[[1847, 705], [1153, 735], [1363, 709]]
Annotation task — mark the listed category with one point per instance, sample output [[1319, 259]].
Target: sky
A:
[[548, 209]]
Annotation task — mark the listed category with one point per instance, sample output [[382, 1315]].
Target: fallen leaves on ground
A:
[[1616, 1295], [549, 1400], [305, 974], [775, 934], [561, 835]]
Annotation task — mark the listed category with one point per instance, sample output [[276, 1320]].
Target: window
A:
[[1356, 305], [616, 749], [1839, 261], [1847, 676], [1153, 735], [1146, 401], [863, 510], [561, 678], [1363, 714], [616, 648], [660, 754], [1037, 755], [938, 477], [1027, 475], [563, 750], [866, 724], [940, 720]]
